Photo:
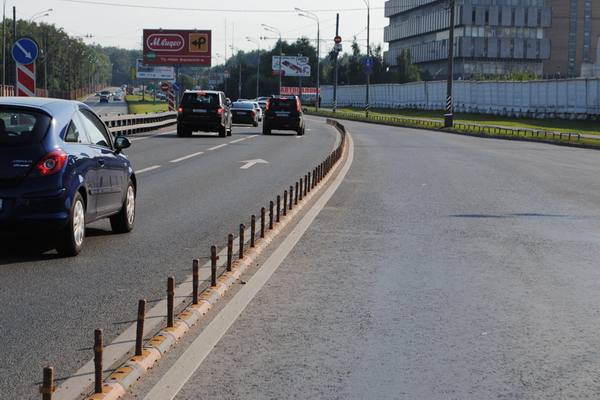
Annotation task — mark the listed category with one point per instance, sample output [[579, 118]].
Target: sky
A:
[[120, 23]]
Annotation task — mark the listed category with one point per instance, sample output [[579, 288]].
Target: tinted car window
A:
[[283, 104], [20, 127], [201, 99], [248, 106], [95, 128], [75, 131]]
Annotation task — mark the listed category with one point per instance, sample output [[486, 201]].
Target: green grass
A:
[[148, 105], [537, 128]]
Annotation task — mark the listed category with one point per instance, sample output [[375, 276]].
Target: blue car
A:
[[61, 168]]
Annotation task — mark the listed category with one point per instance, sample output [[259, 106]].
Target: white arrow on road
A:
[[250, 163], [27, 54]]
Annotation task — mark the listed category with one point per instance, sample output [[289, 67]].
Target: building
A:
[[574, 37], [491, 36]]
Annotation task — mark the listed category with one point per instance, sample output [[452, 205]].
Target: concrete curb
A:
[[115, 386]]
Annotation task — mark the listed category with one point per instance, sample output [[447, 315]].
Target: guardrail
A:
[[459, 126], [271, 222], [136, 123]]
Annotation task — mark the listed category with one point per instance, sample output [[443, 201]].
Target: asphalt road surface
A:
[[443, 267], [192, 193]]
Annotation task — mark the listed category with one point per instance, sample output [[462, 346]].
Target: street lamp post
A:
[[368, 76], [270, 28], [448, 117], [311, 15], [257, 63], [240, 74], [38, 15]]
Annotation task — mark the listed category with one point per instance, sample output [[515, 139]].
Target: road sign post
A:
[[25, 52]]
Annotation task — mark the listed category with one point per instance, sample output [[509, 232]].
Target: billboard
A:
[[177, 47], [145, 71], [291, 66], [216, 78]]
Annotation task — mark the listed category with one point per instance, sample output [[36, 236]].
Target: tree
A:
[[407, 70]]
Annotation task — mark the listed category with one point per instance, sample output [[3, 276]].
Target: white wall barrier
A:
[[567, 99]]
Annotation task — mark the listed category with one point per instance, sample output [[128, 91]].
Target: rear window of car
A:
[[200, 99], [248, 106], [22, 127], [283, 104]]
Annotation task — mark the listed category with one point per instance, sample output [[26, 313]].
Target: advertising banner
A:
[[216, 78], [291, 66], [177, 47], [144, 71]]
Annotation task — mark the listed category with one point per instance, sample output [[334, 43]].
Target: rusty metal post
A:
[[296, 194], [271, 206], [242, 229], [196, 280], [98, 359], [263, 214], [252, 231], [213, 265], [170, 302], [230, 252], [278, 207], [139, 334], [47, 387]]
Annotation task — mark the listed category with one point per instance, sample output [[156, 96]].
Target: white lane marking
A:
[[139, 171], [239, 140], [250, 163], [183, 369], [150, 136], [217, 147], [186, 157]]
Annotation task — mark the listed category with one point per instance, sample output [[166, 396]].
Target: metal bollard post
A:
[[263, 213], [170, 302], [213, 265], [291, 197], [301, 189], [284, 203], [278, 207], [98, 353], [229, 252], [296, 194], [242, 229], [139, 334], [196, 280], [308, 180], [47, 387], [252, 231], [271, 206]]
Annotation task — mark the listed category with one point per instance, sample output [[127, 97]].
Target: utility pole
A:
[[448, 117], [335, 67]]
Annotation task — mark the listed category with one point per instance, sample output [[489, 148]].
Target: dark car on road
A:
[[61, 168], [243, 112], [104, 98], [204, 110], [283, 113]]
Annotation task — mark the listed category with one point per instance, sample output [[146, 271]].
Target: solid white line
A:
[[139, 171], [239, 140], [217, 147], [186, 157], [183, 369]]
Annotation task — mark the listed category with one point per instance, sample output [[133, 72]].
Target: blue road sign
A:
[[25, 51], [175, 86], [368, 62]]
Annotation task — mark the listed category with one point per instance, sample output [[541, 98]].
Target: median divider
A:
[[137, 123], [149, 353]]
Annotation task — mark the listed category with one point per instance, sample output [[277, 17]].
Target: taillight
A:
[[298, 105], [50, 164], [179, 110], [253, 112], [267, 105], [220, 112]]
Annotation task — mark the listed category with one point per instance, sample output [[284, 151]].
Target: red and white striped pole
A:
[[26, 80]]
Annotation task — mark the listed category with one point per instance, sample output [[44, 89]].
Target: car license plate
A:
[[282, 114], [241, 112], [199, 110]]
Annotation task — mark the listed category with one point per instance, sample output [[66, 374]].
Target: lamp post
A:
[[240, 75], [311, 15], [448, 117], [367, 105], [270, 28], [257, 63], [38, 15]]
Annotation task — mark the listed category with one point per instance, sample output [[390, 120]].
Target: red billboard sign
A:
[[177, 47]]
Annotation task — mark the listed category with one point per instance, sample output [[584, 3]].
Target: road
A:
[[443, 267], [192, 193]]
